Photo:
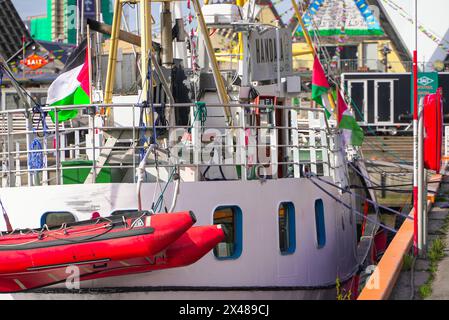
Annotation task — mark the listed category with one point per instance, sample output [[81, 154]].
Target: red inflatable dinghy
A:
[[188, 249], [36, 258]]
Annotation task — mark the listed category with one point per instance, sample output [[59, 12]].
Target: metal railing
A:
[[85, 150], [371, 65]]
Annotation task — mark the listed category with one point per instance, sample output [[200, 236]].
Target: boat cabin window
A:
[[286, 223], [57, 218], [121, 212], [230, 217], [319, 223], [129, 212]]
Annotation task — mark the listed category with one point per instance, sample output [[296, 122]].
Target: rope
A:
[[361, 197], [200, 113], [5, 216], [355, 211], [36, 155], [158, 205]]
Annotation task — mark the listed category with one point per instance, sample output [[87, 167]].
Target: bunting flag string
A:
[[440, 41]]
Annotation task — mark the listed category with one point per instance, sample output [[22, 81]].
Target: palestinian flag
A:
[[352, 133], [72, 86], [320, 87]]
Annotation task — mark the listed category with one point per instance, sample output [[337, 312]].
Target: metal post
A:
[[421, 191], [196, 141], [10, 156], [94, 158], [82, 19], [312, 144], [278, 56], [324, 146], [146, 45], [18, 170], [415, 136], [77, 22], [109, 86], [45, 160], [98, 40], [242, 142], [32, 177], [134, 144], [57, 156], [295, 142], [62, 142], [166, 35], [221, 89]]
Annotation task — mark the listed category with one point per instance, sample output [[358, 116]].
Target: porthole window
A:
[[57, 218], [230, 217], [319, 223], [286, 224]]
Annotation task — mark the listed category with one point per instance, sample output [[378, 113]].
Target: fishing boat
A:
[[245, 155]]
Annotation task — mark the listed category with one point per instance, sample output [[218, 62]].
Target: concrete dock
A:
[[428, 278]]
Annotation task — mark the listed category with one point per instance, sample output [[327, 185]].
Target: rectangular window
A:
[[319, 222], [57, 218], [287, 232], [230, 217]]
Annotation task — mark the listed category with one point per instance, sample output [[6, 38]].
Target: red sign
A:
[[34, 62]]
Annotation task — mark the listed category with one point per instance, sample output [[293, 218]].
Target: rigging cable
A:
[[311, 175], [5, 216], [350, 208]]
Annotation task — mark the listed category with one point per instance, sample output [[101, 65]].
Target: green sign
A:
[[427, 84]]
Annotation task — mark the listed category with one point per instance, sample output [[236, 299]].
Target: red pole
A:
[[415, 151]]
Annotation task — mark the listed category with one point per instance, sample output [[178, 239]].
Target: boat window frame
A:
[[133, 210], [238, 231], [320, 223], [291, 227], [43, 220]]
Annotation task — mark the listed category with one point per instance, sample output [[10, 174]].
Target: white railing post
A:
[[30, 175], [196, 141], [18, 171], [45, 162], [242, 142], [295, 143], [274, 146], [11, 175], [324, 145], [77, 144], [312, 142], [57, 154]]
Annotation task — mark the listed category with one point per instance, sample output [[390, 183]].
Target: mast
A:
[[98, 41], [146, 46], [109, 85], [221, 89], [166, 35]]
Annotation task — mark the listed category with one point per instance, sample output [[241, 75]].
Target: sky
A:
[[27, 8]]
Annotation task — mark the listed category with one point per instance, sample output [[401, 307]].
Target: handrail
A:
[[236, 150], [167, 105]]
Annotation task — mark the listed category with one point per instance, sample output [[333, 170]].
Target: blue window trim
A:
[[320, 223], [290, 214], [45, 214], [238, 241]]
